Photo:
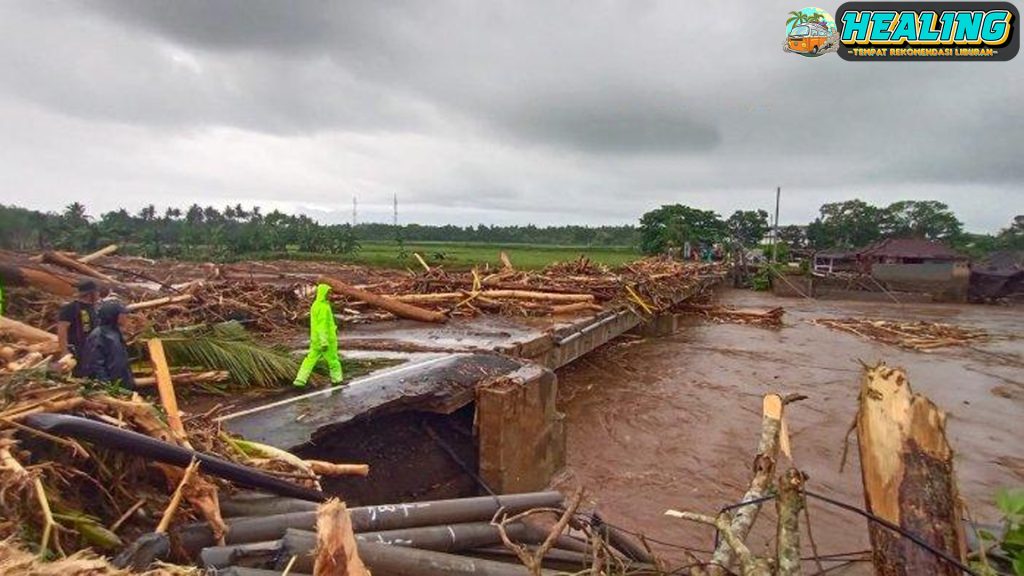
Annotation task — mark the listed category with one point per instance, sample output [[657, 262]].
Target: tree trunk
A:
[[789, 504], [397, 308], [14, 275], [764, 471], [21, 331], [907, 469], [72, 264], [98, 254]]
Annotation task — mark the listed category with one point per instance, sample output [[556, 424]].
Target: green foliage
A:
[[920, 219], [1011, 504], [228, 346], [672, 225], [762, 279], [747, 227]]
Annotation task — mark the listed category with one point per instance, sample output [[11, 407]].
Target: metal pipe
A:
[[196, 536], [254, 504], [384, 560], [448, 538], [141, 445], [255, 554]]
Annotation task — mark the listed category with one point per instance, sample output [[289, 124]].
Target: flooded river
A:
[[673, 422]]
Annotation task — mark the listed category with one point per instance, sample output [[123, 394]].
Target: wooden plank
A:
[[166, 389]]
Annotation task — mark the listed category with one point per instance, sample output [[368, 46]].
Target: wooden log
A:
[[14, 275], [576, 307], [72, 264], [98, 254], [322, 468], [158, 302], [336, 552], [15, 330], [761, 483], [789, 504], [397, 308], [495, 295], [505, 262], [907, 470], [188, 378]]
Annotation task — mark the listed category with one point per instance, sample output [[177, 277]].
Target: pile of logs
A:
[[771, 317], [918, 335]]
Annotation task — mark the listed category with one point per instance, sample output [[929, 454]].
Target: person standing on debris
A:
[[105, 357], [323, 339], [75, 321]]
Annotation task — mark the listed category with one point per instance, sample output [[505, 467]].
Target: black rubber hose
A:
[[140, 445]]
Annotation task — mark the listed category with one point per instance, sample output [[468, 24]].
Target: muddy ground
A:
[[673, 422]]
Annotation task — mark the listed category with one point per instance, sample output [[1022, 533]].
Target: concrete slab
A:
[[440, 384]]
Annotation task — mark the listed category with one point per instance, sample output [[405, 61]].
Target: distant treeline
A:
[[208, 232]]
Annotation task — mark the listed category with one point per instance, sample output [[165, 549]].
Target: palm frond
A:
[[229, 347]]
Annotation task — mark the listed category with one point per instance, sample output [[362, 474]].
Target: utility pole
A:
[[394, 221], [354, 211], [775, 235]]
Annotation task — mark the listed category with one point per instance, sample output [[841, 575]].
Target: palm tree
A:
[[796, 19]]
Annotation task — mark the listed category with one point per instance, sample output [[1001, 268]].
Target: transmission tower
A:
[[395, 218], [354, 211]]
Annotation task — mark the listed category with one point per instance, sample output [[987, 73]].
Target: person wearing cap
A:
[[105, 356], [75, 321]]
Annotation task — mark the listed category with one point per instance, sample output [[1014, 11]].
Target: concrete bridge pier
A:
[[658, 325], [521, 434]]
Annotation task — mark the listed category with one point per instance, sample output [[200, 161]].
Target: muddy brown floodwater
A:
[[673, 422]]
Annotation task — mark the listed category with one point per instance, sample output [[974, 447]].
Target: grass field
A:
[[454, 255]]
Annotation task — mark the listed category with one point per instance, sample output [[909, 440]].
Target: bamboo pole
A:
[[98, 254], [396, 307], [907, 470]]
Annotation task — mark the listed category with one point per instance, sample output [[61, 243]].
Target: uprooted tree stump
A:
[[907, 469]]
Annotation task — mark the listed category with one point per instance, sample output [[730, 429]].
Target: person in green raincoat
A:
[[323, 339]]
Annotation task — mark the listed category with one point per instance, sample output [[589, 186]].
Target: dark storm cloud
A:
[[593, 111]]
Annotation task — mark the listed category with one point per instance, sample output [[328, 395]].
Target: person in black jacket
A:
[[106, 356], [76, 320]]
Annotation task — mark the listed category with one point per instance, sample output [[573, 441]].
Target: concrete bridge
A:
[[471, 409]]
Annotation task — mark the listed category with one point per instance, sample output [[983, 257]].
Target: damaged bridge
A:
[[470, 410]]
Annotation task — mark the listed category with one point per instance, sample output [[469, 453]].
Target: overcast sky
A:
[[479, 111]]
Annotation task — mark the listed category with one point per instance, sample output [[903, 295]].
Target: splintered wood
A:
[[907, 468], [911, 335]]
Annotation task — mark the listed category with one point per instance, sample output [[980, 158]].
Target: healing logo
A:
[[811, 32]]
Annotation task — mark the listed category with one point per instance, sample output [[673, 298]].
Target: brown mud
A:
[[673, 422]]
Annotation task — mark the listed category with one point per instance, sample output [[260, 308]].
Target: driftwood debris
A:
[[907, 470], [336, 550], [911, 335], [158, 302], [106, 251], [397, 308], [15, 275], [76, 266], [762, 317]]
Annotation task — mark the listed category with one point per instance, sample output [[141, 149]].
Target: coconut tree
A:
[[796, 19]]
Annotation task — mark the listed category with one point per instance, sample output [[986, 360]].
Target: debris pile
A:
[[918, 335], [771, 317], [90, 468]]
